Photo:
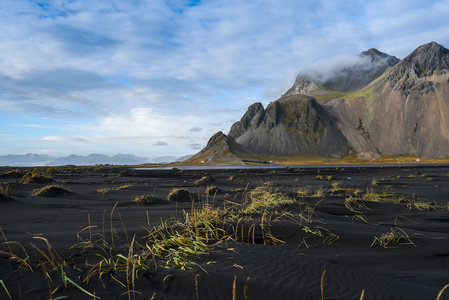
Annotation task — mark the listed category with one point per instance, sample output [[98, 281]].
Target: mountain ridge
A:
[[401, 110], [31, 159]]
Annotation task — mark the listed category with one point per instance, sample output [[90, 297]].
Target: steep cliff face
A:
[[405, 112], [293, 126]]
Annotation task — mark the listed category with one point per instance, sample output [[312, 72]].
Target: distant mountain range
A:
[[371, 105], [31, 159]]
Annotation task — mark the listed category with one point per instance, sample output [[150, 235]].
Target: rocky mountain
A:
[[31, 159], [292, 126], [28, 159], [222, 149], [372, 105], [93, 159], [404, 111]]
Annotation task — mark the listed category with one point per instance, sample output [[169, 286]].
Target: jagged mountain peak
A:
[[378, 56], [415, 70], [222, 149], [291, 126], [331, 79], [431, 56], [373, 52]]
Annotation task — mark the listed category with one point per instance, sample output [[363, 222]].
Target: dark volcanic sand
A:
[[292, 270]]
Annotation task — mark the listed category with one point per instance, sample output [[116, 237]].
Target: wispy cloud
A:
[[160, 143], [196, 146], [30, 125]]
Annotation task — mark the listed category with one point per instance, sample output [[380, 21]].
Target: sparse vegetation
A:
[[147, 199], [104, 191], [49, 191], [8, 189], [319, 192], [125, 186], [303, 191], [203, 181], [392, 238], [177, 242], [35, 176], [51, 170], [180, 195], [212, 190], [264, 198]]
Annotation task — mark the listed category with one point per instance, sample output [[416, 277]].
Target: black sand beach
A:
[[338, 232]]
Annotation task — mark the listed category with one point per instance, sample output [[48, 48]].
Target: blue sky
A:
[[159, 78]]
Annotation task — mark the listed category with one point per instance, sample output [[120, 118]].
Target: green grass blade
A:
[[80, 288], [4, 286]]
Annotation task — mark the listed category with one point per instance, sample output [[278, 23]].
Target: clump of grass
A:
[[148, 199], [203, 181], [264, 197], [336, 187], [370, 195], [329, 237], [374, 182], [425, 206], [392, 238], [176, 247], [125, 186], [35, 176], [303, 191], [319, 192], [104, 191], [319, 177], [8, 189], [51, 170]]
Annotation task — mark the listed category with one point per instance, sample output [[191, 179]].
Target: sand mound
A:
[[6, 199], [181, 195], [11, 175], [52, 191]]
